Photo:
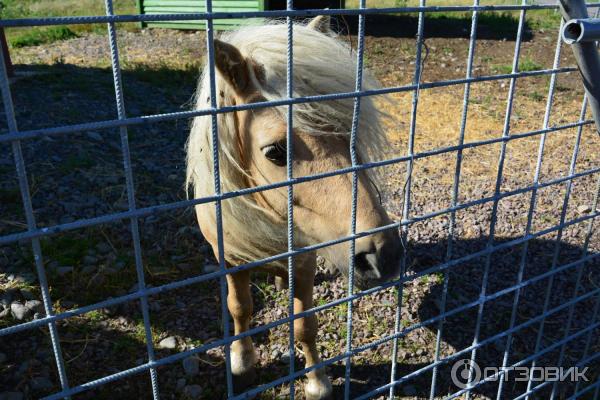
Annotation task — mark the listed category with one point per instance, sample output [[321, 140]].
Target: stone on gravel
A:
[[88, 269], [584, 209], [180, 384], [192, 391], [168, 343], [19, 311], [90, 260], [11, 396], [209, 268], [41, 384], [191, 366], [285, 357], [35, 306], [103, 248], [94, 135], [62, 271]]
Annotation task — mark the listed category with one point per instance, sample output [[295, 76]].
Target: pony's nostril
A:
[[367, 263], [361, 263]]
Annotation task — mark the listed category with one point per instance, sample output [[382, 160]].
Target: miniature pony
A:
[[251, 67]]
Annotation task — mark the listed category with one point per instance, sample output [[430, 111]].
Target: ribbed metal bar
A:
[[290, 190], [218, 207], [455, 191], [499, 177], [557, 243], [134, 223], [407, 189], [532, 204], [11, 120], [354, 200], [149, 119], [264, 14]]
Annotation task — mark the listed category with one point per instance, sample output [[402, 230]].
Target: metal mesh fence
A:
[[33, 233]]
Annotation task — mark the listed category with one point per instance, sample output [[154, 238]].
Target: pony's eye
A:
[[276, 153]]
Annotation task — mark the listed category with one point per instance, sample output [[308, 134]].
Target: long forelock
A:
[[323, 64]]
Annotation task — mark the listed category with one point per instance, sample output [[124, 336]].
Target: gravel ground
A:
[[80, 176]]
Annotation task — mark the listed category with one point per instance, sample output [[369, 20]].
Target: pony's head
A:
[[251, 67]]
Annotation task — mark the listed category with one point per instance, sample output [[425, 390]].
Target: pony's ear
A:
[[232, 65], [321, 23]]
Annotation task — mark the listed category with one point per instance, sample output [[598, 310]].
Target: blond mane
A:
[[323, 64]]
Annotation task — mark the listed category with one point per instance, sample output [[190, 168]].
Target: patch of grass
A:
[[66, 250], [37, 36], [31, 36], [528, 64], [525, 65], [544, 19], [502, 68], [536, 96]]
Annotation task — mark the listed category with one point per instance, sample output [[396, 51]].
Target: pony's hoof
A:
[[318, 389], [280, 283], [242, 381]]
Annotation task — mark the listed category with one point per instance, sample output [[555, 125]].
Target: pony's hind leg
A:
[[239, 302], [318, 386]]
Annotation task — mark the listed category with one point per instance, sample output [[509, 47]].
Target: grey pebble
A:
[[35, 306], [41, 384], [285, 357], [95, 136], [103, 248], [180, 384], [168, 343], [2, 358], [191, 366], [19, 311], [583, 209], [90, 260], [88, 269], [119, 265], [62, 271], [208, 268], [192, 391]]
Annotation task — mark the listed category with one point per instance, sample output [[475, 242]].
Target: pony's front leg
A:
[[318, 386], [239, 302]]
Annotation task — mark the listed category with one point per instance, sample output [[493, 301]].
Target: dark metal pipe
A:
[[581, 30], [586, 55]]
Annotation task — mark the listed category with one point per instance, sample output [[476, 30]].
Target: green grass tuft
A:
[[37, 36]]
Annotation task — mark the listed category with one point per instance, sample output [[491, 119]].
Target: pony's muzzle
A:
[[372, 268]]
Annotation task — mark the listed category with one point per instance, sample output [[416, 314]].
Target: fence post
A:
[[9, 67], [586, 55]]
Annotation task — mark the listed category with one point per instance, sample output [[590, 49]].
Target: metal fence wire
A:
[[587, 335]]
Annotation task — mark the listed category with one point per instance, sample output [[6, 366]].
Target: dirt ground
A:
[[81, 176]]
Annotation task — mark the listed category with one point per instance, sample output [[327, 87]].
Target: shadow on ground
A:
[[491, 26], [116, 335]]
